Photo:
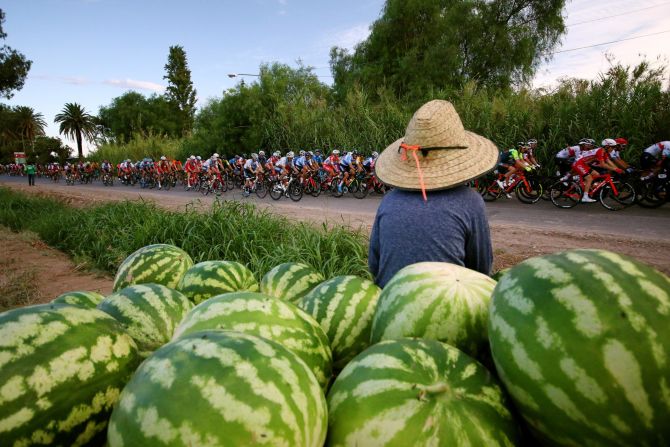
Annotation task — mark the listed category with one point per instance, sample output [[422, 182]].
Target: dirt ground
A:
[[32, 272], [512, 243]]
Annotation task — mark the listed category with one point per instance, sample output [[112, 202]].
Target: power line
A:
[[616, 15], [607, 43]]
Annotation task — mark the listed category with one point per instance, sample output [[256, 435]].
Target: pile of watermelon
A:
[[567, 349]]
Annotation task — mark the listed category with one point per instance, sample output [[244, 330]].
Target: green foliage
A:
[[231, 231], [139, 146], [28, 125], [14, 66], [133, 113], [76, 123], [419, 45], [180, 91], [44, 147]]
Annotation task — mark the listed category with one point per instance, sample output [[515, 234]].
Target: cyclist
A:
[[566, 157], [369, 163], [271, 164], [517, 162], [285, 165], [318, 157], [530, 153], [332, 164], [599, 158], [654, 157], [251, 168], [163, 170], [347, 163], [621, 144], [192, 169], [299, 163]]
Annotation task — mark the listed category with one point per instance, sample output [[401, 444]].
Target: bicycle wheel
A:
[[361, 189], [261, 189], [622, 196], [276, 190], [295, 192], [316, 188], [528, 193], [565, 194], [651, 195], [334, 190]]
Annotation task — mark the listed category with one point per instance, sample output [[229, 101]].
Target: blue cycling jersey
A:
[[346, 160], [318, 159], [299, 162]]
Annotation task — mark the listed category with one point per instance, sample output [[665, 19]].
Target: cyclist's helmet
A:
[[317, 152], [216, 155], [261, 153], [608, 142], [199, 157], [310, 154], [192, 157], [621, 141], [336, 152], [301, 153], [163, 158], [290, 154], [375, 154], [591, 141], [532, 141], [521, 144], [254, 156], [276, 154]]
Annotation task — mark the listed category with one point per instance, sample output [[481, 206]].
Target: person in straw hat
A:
[[448, 224]]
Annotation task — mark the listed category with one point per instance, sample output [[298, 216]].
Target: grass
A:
[[18, 288], [102, 236]]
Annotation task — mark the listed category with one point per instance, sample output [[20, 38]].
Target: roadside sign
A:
[[20, 158]]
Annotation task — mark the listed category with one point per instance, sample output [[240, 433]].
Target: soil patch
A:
[[33, 273]]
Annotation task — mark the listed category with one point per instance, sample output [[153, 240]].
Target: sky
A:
[[91, 51]]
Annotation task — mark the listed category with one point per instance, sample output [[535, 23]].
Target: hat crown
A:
[[436, 124]]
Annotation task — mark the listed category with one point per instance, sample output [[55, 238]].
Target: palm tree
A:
[[28, 125], [76, 123]]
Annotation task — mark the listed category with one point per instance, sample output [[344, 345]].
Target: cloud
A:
[[131, 83], [348, 38]]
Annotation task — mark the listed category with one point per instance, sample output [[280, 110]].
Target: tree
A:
[[28, 125], [180, 91], [45, 147], [417, 46], [76, 123], [14, 66], [133, 113]]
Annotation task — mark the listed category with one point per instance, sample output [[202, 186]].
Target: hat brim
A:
[[442, 169]]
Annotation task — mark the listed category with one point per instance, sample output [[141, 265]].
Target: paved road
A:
[[635, 221]]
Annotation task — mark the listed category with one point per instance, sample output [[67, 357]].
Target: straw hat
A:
[[436, 152]]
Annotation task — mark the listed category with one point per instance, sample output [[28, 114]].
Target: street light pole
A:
[[234, 75]]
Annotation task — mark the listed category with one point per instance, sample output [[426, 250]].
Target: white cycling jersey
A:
[[661, 148], [568, 152]]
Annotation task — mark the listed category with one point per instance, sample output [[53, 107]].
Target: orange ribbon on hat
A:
[[406, 147]]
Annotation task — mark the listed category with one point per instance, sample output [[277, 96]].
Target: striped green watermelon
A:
[[62, 368], [581, 340], [343, 306], [79, 298], [411, 392], [497, 275], [210, 278], [220, 388], [149, 313], [154, 264], [268, 317], [438, 301], [290, 281]]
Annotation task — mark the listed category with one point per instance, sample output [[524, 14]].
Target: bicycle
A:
[[292, 189], [526, 188], [613, 195]]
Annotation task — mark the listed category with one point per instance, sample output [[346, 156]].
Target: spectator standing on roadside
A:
[[447, 225], [30, 170]]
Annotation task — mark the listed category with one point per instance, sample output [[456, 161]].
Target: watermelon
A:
[[438, 301], [148, 312], [343, 306], [210, 278], [154, 264], [269, 317], [62, 368], [220, 388], [581, 340], [497, 275], [290, 281], [419, 393], [79, 298]]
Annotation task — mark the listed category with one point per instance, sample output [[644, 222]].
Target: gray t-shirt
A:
[[450, 227]]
